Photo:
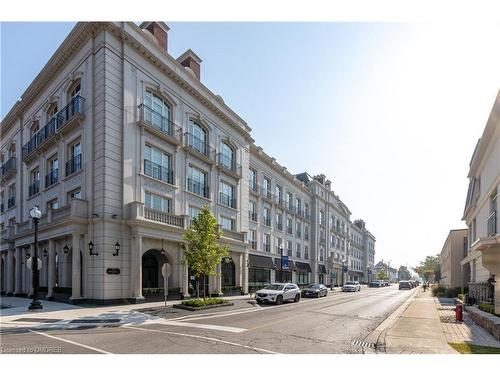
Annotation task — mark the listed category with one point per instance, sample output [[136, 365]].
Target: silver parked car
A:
[[315, 290]]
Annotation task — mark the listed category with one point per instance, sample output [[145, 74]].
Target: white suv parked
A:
[[351, 286], [278, 292]]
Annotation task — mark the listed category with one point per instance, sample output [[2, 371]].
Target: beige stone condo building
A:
[[120, 144], [481, 208], [453, 251]]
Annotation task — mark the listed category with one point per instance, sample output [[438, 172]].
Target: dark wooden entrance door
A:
[[149, 271]]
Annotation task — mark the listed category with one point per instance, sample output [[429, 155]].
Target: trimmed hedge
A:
[[198, 302], [488, 307], [441, 291]]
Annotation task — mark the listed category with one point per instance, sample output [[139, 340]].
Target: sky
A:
[[389, 112]]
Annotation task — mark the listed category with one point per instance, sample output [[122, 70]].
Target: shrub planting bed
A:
[[202, 304]]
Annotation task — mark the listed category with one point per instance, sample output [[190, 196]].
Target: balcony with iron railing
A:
[[266, 193], [74, 164], [253, 187], [70, 114], [253, 244], [289, 252], [11, 202], [492, 224], [34, 188], [267, 247], [279, 225], [160, 124], [298, 234], [52, 177], [306, 255], [252, 216], [229, 165], [198, 188], [199, 147], [289, 230], [158, 172], [267, 221], [227, 200], [306, 236], [8, 168], [279, 200]]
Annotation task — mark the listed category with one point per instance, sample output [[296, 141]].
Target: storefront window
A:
[[258, 277], [302, 278]]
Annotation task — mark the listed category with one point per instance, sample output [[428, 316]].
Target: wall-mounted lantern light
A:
[[91, 248], [117, 249], [66, 249]]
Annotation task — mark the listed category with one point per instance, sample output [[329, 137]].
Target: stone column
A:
[[51, 269], [185, 282], [218, 281], [244, 268], [10, 272], [18, 287], [136, 268], [75, 268]]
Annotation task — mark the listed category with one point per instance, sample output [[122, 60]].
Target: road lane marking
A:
[[71, 342], [205, 338], [196, 325]]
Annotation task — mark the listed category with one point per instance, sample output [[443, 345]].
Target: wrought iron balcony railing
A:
[[34, 188], [52, 177], [11, 202], [8, 167], [227, 200], [158, 172], [74, 164], [229, 164], [252, 215], [158, 121], [198, 188], [54, 125], [200, 146], [492, 224]]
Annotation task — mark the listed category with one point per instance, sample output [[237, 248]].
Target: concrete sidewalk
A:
[[418, 329], [56, 314]]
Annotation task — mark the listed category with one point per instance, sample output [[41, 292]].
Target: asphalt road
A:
[[326, 325]]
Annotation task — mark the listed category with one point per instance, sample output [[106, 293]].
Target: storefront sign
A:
[[113, 271]]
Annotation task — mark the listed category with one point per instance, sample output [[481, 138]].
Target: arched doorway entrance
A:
[[228, 276], [152, 279]]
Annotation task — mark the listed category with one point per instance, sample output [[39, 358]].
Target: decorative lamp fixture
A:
[[35, 213], [117, 249], [28, 255], [162, 251], [44, 253], [91, 248], [66, 249]]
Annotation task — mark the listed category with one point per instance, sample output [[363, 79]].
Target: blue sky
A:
[[389, 112]]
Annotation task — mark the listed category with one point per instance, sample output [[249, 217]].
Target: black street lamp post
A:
[[35, 304], [281, 262]]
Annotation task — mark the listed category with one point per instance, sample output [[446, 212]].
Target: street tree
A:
[[202, 251], [404, 273], [382, 275], [429, 269]]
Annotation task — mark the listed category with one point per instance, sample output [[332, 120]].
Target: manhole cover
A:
[[95, 321], [364, 344], [37, 320]]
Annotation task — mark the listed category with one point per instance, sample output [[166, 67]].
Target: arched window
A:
[[156, 111], [197, 137], [34, 128], [227, 157], [75, 89], [52, 111]]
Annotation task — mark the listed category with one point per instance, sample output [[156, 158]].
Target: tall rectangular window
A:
[[279, 221], [289, 248], [227, 223], [252, 179], [226, 195], [193, 212], [289, 225], [197, 181], [157, 164], [267, 242], [252, 238], [289, 201], [267, 187], [34, 182], [74, 163], [267, 216], [279, 194], [156, 202], [252, 211], [299, 250], [53, 167]]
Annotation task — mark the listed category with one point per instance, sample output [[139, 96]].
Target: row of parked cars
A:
[[408, 284], [280, 292], [379, 283]]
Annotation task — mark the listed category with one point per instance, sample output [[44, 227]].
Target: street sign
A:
[[284, 262], [166, 269], [344, 269], [29, 263]]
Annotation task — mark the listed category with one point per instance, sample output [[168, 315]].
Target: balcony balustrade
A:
[[74, 164], [200, 147], [227, 200], [8, 168], [158, 172], [52, 177], [72, 110], [160, 124], [34, 188], [198, 188], [228, 164], [11, 202]]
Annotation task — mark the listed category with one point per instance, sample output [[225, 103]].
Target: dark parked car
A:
[[405, 284], [315, 290], [376, 284], [386, 283]]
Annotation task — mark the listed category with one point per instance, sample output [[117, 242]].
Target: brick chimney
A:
[[160, 32], [190, 60]]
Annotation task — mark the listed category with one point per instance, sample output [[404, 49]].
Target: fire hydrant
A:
[[459, 312]]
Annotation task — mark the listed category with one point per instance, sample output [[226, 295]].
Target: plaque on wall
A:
[[113, 271]]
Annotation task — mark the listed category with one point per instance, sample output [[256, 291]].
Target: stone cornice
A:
[[270, 161], [75, 39], [81, 33]]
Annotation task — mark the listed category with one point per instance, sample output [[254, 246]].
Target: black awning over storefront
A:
[[305, 267], [257, 261], [321, 268]]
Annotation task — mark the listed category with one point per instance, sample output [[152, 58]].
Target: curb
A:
[[377, 336]]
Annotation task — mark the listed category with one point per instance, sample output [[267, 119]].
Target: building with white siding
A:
[[119, 144]]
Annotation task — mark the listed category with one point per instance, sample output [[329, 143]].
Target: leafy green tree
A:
[[202, 251], [429, 269], [382, 275], [404, 273]]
